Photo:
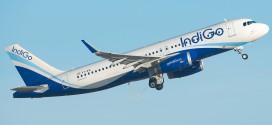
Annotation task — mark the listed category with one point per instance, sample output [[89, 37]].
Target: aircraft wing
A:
[[128, 60], [28, 89]]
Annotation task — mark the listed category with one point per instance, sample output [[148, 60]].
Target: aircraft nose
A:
[[265, 29], [262, 29]]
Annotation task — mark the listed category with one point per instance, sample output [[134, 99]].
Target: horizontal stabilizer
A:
[[28, 89]]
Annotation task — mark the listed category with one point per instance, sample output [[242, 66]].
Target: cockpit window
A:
[[244, 23], [253, 22], [248, 23]]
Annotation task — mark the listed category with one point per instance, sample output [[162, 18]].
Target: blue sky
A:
[[228, 91]]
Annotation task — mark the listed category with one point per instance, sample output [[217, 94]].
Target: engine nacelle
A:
[[196, 67], [180, 61]]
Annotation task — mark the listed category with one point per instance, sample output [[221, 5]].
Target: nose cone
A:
[[265, 29], [261, 30]]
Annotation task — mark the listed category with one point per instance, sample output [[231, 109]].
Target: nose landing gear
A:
[[239, 50], [244, 56]]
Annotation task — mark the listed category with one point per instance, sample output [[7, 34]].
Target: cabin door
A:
[[230, 29], [64, 80]]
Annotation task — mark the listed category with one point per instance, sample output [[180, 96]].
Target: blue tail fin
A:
[[32, 69]]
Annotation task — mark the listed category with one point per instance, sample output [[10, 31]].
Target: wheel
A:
[[152, 84], [159, 86], [244, 56]]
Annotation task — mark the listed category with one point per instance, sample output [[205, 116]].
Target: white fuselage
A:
[[225, 35]]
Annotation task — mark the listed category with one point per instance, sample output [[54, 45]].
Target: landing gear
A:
[[239, 50], [159, 86], [244, 56], [152, 82], [156, 82]]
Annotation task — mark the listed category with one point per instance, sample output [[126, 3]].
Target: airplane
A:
[[177, 57]]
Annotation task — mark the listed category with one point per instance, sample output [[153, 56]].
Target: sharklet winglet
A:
[[91, 48]]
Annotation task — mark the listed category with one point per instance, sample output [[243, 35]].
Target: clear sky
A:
[[230, 90]]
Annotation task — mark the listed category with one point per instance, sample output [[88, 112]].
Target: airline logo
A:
[[207, 34], [21, 53], [180, 60]]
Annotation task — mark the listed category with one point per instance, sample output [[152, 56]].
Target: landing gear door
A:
[[230, 29]]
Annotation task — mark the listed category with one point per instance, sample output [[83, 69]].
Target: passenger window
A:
[[175, 45], [77, 76], [156, 51]]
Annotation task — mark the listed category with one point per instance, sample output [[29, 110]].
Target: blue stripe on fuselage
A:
[[56, 89], [224, 44]]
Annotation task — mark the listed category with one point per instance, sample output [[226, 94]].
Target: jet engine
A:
[[196, 67]]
